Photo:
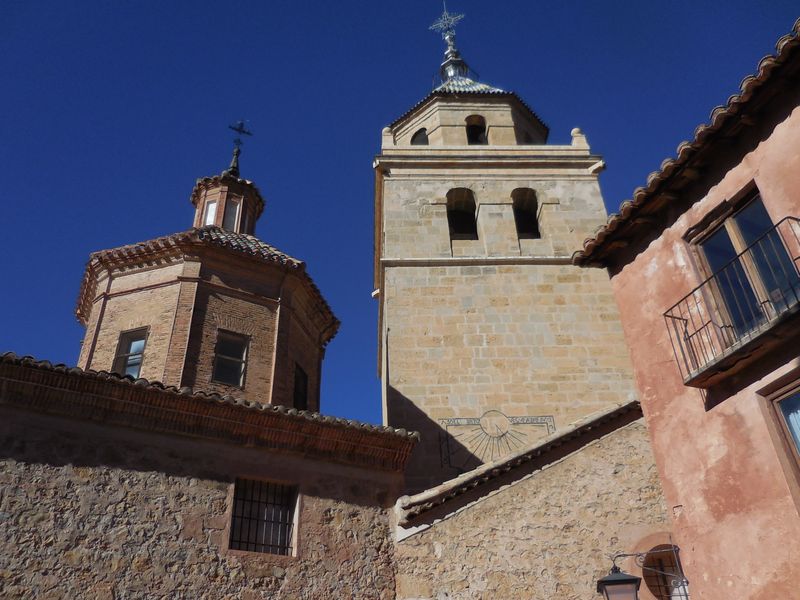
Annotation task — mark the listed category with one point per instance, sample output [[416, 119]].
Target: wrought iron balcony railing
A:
[[735, 308]]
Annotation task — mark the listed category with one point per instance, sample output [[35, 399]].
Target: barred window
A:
[[263, 517]]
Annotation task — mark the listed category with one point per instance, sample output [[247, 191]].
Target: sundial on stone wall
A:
[[469, 442]]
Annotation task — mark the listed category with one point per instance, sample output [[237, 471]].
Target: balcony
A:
[[742, 311]]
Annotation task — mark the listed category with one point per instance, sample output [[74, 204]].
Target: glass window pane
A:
[[227, 371], [211, 213], [742, 307], [790, 408], [233, 347], [231, 212], [753, 221], [136, 346]]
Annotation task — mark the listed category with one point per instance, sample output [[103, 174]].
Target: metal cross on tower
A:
[[446, 24], [239, 128]]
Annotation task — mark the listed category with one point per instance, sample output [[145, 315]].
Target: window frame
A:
[[294, 506], [123, 356], [245, 354], [723, 217], [299, 370], [229, 202], [207, 211], [786, 449]]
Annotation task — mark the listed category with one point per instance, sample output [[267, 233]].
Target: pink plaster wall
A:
[[729, 495]]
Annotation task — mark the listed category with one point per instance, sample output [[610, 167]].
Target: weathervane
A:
[[446, 24]]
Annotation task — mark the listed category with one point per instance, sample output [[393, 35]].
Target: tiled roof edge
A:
[[191, 237], [686, 150], [413, 506], [157, 387]]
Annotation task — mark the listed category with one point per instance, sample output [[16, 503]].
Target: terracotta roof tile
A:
[[212, 397]]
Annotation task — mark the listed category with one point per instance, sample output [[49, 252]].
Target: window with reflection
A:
[[211, 213], [753, 274], [231, 215], [130, 352], [230, 357]]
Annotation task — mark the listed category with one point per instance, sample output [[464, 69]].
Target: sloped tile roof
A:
[[492, 92], [241, 243], [787, 50], [246, 244], [42, 386], [460, 84]]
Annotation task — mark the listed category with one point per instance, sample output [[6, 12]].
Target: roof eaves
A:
[[122, 386], [687, 150]]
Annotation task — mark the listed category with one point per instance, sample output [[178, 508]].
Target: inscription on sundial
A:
[[468, 442]]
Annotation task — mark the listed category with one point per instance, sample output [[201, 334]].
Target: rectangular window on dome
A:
[[230, 357], [231, 215], [130, 352], [263, 517], [300, 388], [211, 213]]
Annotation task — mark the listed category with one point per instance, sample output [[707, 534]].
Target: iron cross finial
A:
[[446, 24], [239, 128]]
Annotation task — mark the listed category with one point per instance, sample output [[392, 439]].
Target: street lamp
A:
[[618, 585]]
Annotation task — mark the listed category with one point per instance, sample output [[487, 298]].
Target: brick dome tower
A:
[[212, 308]]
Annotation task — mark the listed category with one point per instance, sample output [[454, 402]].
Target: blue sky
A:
[[109, 111]]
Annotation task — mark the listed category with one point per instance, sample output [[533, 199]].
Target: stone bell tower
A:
[[213, 308], [489, 337]]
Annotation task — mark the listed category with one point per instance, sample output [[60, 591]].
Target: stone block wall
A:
[[415, 215], [106, 513], [548, 536], [541, 344]]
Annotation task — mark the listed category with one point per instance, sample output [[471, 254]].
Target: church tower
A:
[[212, 308], [489, 338]]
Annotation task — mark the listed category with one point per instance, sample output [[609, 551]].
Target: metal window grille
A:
[[263, 516]]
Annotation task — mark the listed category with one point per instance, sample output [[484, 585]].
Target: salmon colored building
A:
[[704, 266]]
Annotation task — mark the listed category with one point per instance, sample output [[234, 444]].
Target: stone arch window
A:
[[526, 208], [476, 130], [461, 212], [420, 138]]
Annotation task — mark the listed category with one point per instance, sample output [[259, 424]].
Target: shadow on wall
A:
[[770, 362], [438, 456]]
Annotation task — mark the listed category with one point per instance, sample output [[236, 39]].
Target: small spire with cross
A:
[[240, 129], [446, 24], [453, 65]]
